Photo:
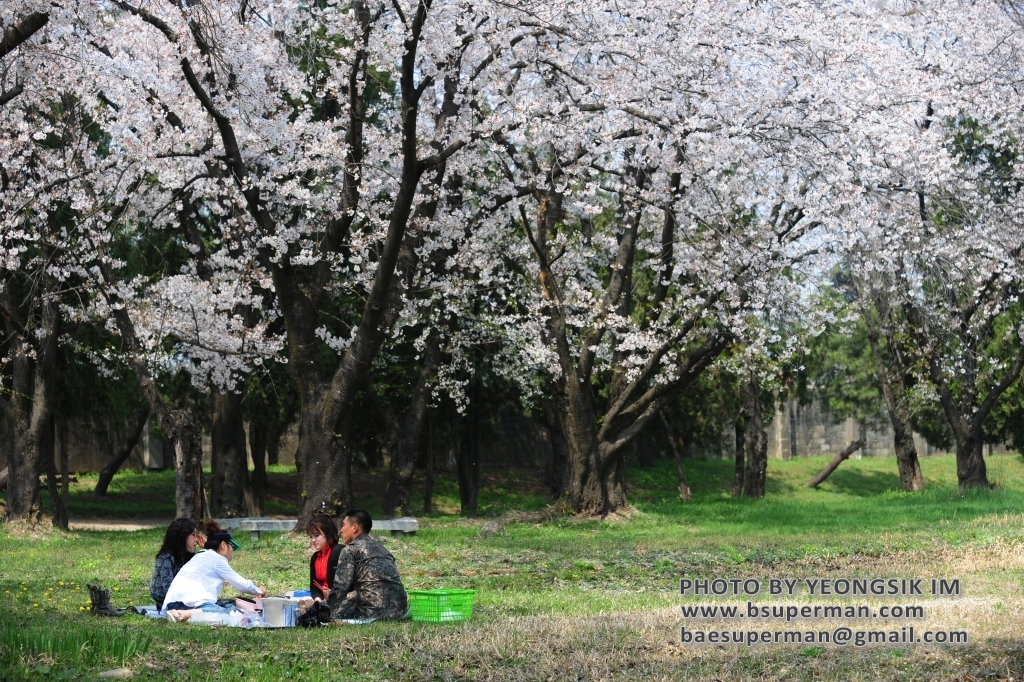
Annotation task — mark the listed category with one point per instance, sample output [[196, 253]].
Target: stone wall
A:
[[806, 430]]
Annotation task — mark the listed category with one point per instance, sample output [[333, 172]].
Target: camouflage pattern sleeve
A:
[[339, 600]]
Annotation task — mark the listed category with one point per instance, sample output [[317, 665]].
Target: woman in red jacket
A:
[[323, 538]]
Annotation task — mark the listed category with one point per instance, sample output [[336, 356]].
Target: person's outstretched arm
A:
[[228, 575]]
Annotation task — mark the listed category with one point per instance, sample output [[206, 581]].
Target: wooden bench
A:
[[398, 527]]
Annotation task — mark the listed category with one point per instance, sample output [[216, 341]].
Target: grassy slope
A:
[[570, 595]]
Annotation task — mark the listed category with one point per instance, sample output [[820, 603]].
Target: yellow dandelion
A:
[[81, 608], [35, 605], [62, 583], [116, 589]]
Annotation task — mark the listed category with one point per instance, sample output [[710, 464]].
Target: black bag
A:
[[318, 613]]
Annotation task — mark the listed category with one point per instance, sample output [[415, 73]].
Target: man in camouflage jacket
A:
[[366, 582]]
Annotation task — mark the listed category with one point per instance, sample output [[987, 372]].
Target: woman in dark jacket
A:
[[180, 542], [323, 537]]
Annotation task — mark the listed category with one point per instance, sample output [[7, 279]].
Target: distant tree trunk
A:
[[469, 463], [684, 489], [965, 414], [179, 426], [740, 463], [57, 510], [133, 427], [230, 491], [646, 449], [410, 439], [756, 440], [65, 493], [558, 470], [836, 461], [258, 434], [428, 488], [273, 450], [895, 393]]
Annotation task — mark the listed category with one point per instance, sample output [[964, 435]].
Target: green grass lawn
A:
[[557, 597]]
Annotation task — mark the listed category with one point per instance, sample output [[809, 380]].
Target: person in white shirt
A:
[[198, 584]]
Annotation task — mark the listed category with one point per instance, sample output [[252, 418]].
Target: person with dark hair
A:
[[179, 545], [366, 582], [323, 537], [197, 585]]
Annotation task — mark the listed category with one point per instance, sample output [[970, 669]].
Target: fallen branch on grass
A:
[[836, 461]]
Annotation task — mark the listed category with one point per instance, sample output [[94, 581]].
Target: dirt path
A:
[[119, 524]]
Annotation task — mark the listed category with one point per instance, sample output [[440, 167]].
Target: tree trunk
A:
[[646, 450], [836, 461], [469, 460], [907, 463], [756, 440], [895, 394], [31, 420], [130, 438], [58, 511], [65, 481], [273, 450], [258, 434], [230, 492], [410, 440], [684, 489], [558, 468], [428, 488], [187, 445], [970, 462], [740, 464], [323, 456], [588, 480]]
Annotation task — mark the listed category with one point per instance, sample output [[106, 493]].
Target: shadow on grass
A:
[[862, 483]]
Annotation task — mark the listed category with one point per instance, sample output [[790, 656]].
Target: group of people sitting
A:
[[357, 579]]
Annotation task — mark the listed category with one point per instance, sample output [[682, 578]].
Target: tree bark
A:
[[587, 480], [834, 464], [755, 438], [258, 435], [230, 491], [684, 489], [971, 471], [133, 427], [411, 437]]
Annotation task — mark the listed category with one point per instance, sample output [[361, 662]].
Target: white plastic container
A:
[[279, 612]]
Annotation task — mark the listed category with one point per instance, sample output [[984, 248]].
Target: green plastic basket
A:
[[441, 606]]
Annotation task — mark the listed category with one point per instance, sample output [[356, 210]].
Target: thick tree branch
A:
[[19, 33]]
